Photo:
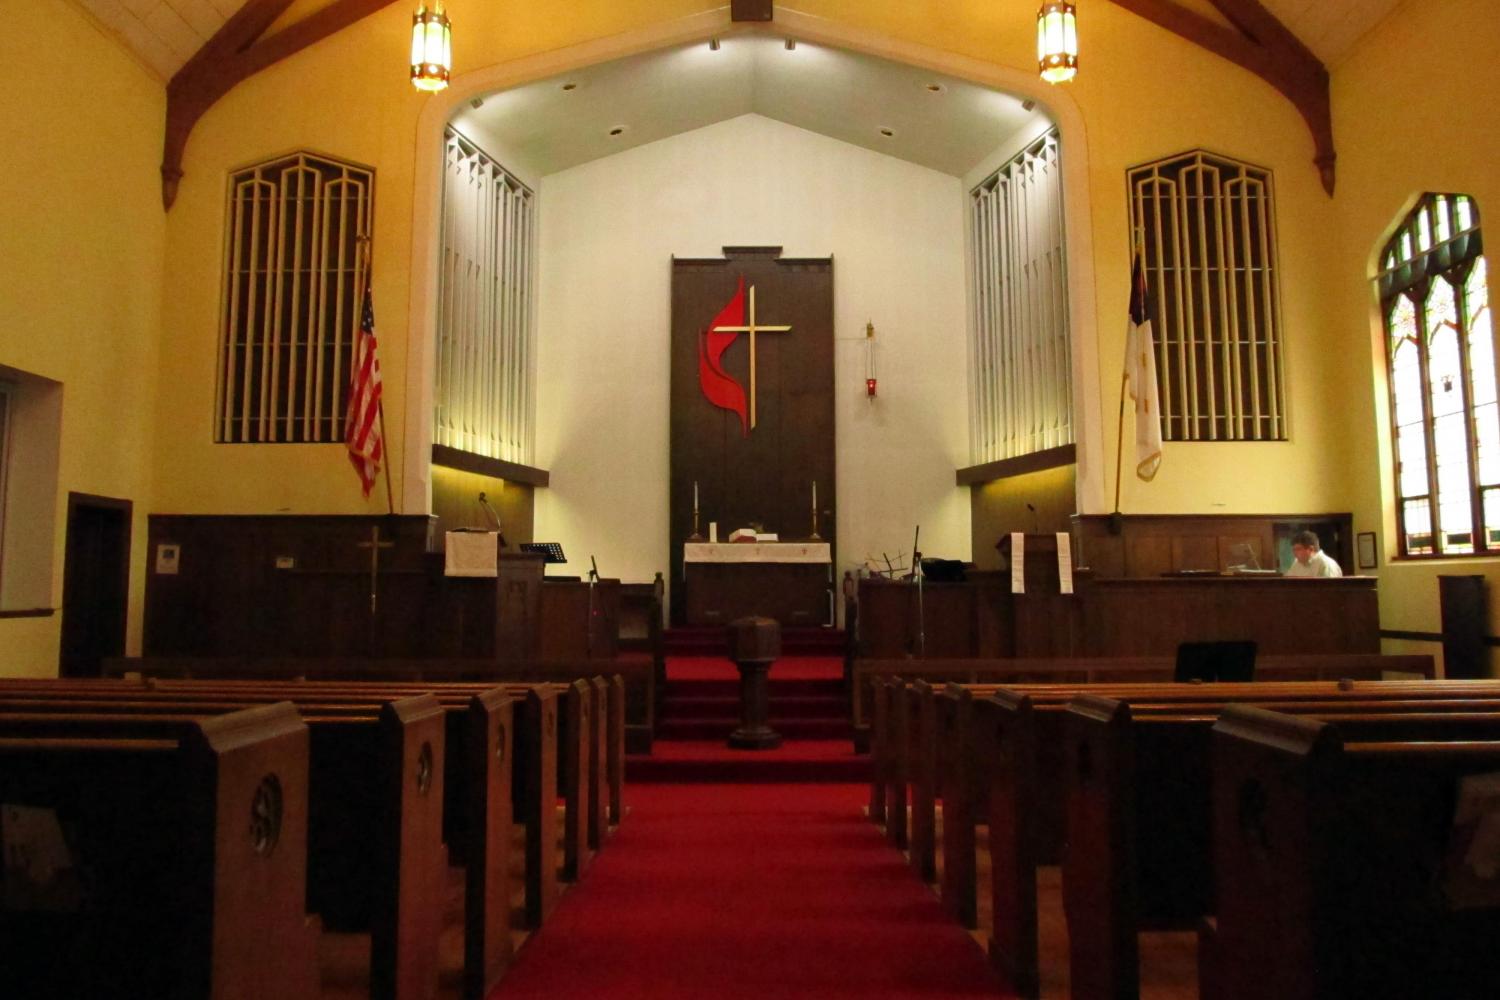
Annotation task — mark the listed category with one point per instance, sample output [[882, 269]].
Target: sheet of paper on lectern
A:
[[1064, 563], [1017, 563], [471, 553]]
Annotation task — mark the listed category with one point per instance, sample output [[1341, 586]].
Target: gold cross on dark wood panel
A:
[[374, 545], [752, 329]]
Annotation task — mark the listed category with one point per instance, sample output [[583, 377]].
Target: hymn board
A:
[[753, 439]]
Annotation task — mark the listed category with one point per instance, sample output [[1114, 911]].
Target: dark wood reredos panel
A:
[[767, 475]]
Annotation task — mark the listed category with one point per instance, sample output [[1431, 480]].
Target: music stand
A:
[[1215, 661], [551, 552]]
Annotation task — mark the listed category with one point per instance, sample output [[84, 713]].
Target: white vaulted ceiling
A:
[[925, 118], [164, 34]]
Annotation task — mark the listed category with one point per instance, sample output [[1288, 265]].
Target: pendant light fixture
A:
[[1057, 40], [431, 47]]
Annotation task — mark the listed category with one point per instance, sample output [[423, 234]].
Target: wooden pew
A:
[[189, 840], [374, 856], [1138, 794], [540, 724], [1338, 872], [1113, 670], [1021, 833], [573, 742], [638, 673]]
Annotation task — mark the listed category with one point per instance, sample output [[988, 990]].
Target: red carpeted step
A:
[[710, 760], [718, 728], [782, 707]]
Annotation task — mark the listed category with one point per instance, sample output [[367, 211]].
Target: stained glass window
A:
[[1444, 410]]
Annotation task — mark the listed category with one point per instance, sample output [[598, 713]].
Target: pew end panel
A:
[[251, 763], [407, 921], [958, 765], [535, 801], [490, 748], [1099, 856], [922, 776], [598, 775], [1014, 942], [1335, 862]]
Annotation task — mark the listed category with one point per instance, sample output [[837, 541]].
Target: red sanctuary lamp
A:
[[870, 361]]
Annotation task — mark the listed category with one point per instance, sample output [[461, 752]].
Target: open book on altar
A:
[[751, 535]]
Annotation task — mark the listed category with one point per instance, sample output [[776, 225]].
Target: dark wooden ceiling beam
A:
[[235, 53], [1257, 41]]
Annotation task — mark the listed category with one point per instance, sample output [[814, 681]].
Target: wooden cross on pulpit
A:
[[374, 545], [752, 329]]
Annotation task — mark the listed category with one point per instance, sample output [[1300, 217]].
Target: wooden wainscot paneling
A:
[[1147, 545]]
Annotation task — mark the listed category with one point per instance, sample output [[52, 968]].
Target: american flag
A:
[[362, 421]]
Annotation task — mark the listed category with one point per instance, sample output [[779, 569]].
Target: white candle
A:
[[815, 496], [695, 494]]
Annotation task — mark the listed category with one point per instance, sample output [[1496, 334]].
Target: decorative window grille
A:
[[1020, 358], [1441, 352], [1208, 228], [484, 390], [294, 268]]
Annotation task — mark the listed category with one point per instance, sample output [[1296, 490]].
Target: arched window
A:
[[1441, 355]]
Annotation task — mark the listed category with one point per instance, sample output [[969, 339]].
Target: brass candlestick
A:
[[815, 536], [696, 536]]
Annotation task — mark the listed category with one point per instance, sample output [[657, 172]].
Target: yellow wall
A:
[[348, 96], [1413, 111], [82, 237], [82, 220], [998, 508]]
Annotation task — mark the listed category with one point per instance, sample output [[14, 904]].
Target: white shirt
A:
[[1318, 564]]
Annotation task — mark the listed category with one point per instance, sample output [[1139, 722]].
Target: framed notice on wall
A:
[[1364, 549]]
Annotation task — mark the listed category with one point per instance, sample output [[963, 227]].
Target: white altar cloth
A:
[[756, 552]]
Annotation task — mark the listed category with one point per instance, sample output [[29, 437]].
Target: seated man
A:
[[1309, 559]]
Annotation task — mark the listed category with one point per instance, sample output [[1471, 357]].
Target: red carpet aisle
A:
[[749, 891]]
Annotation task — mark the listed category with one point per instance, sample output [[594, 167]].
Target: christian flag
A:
[[1140, 377], [362, 421]]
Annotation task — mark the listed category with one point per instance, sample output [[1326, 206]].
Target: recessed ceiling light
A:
[[791, 44], [889, 133], [617, 130], [935, 88], [570, 86]]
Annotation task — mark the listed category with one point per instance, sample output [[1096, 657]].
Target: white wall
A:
[[608, 232]]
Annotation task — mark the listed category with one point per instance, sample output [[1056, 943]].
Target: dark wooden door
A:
[[96, 583]]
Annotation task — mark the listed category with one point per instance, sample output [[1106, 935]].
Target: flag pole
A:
[[390, 504], [1137, 252], [1120, 444]]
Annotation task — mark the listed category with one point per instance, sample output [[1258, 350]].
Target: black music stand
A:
[[551, 552]]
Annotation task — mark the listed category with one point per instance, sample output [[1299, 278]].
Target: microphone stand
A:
[[916, 569], [593, 579]]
